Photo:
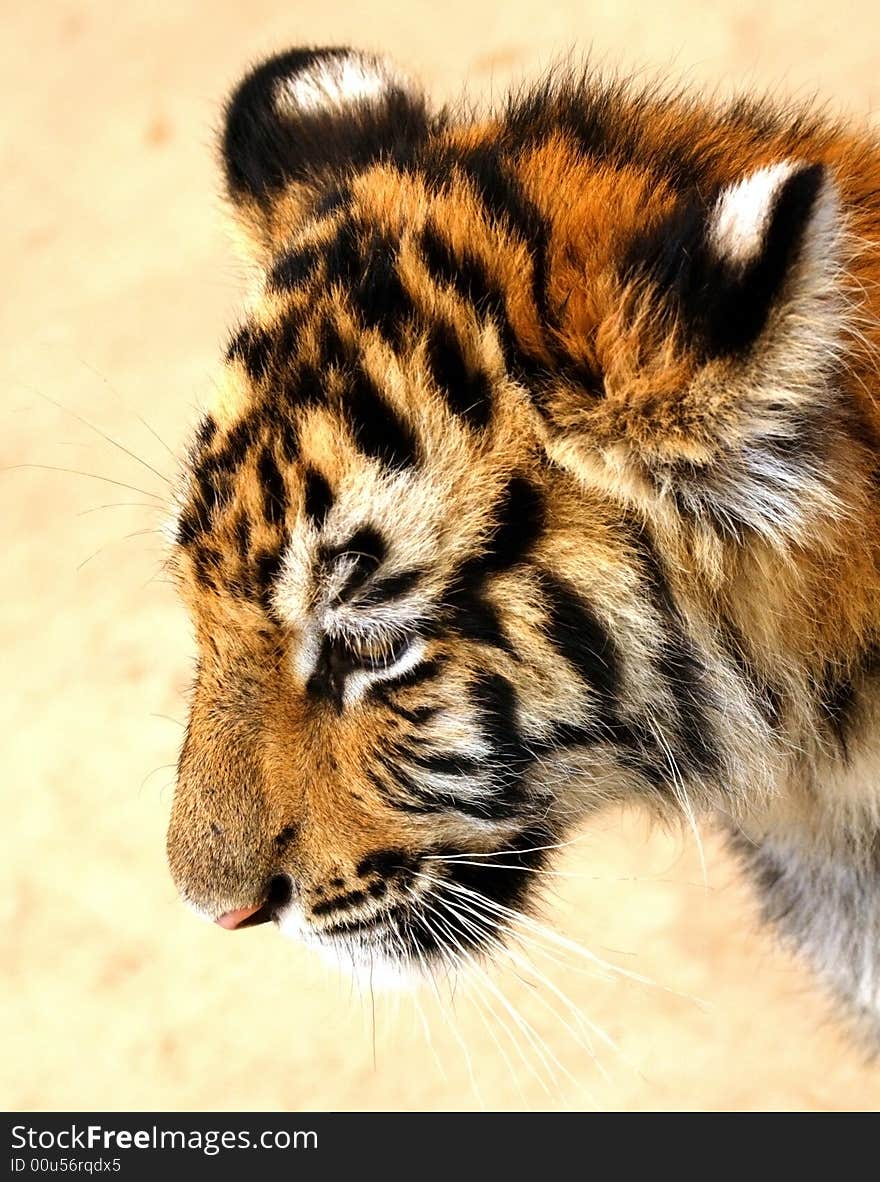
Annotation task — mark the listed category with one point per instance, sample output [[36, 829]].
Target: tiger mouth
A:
[[278, 897], [427, 930]]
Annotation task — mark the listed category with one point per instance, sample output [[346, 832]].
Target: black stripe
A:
[[678, 659], [333, 351], [606, 124], [243, 535], [519, 522], [205, 433], [473, 616], [493, 878], [467, 275], [302, 388], [288, 436], [502, 195], [837, 702], [379, 431], [265, 565], [468, 392], [253, 348], [445, 765], [332, 201], [496, 701], [232, 451], [273, 488], [363, 262], [414, 799], [318, 497], [581, 638], [380, 297], [207, 562], [293, 268], [764, 695], [418, 716], [686, 674], [189, 527]]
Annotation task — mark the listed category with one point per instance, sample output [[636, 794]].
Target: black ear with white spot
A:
[[305, 115], [770, 237]]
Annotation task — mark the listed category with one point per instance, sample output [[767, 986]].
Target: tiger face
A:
[[456, 536]]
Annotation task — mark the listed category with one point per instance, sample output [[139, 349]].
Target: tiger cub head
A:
[[416, 531]]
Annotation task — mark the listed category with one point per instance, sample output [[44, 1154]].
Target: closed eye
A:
[[377, 653]]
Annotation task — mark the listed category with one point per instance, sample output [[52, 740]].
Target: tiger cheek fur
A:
[[542, 476]]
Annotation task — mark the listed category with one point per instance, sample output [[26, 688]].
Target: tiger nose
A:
[[234, 919], [278, 893]]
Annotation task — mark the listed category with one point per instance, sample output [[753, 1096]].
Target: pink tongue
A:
[[233, 919]]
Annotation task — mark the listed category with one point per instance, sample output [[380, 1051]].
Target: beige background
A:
[[117, 290]]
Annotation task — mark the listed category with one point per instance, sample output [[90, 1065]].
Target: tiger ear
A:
[[304, 117], [720, 395], [724, 268]]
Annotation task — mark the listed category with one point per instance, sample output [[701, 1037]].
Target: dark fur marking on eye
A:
[[318, 497], [388, 589], [379, 430], [326, 682], [273, 488], [417, 675], [467, 391], [366, 549]]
